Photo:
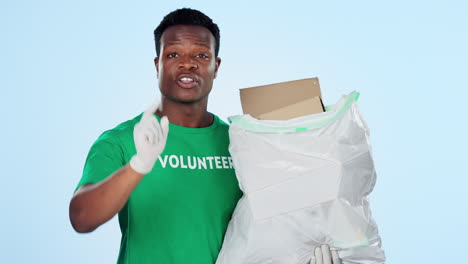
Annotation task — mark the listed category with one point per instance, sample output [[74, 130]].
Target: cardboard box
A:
[[282, 101]]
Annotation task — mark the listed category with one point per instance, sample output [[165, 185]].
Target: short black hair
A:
[[186, 16]]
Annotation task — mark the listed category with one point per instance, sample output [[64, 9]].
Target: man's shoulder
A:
[[220, 123], [128, 125], [122, 131]]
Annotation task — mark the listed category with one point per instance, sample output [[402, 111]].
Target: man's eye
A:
[[172, 55], [202, 56]]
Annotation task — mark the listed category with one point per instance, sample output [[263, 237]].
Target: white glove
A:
[[150, 139], [323, 255]]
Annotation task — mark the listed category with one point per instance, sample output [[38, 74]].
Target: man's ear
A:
[[217, 63], [156, 63]]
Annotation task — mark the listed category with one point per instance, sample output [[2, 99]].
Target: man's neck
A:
[[192, 115]]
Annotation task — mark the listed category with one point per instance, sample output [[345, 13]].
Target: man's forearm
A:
[[94, 204]]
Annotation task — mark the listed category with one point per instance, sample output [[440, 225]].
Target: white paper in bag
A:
[[305, 183]]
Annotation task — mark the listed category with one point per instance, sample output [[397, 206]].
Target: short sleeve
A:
[[104, 158]]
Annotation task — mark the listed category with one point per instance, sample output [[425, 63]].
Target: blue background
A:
[[72, 69]]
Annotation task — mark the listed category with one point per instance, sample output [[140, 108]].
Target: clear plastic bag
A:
[[305, 183]]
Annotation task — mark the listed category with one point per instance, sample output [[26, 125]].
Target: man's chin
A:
[[186, 100]]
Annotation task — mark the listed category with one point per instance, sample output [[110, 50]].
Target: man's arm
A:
[[94, 204]]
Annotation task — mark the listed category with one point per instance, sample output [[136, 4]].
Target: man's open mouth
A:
[[186, 81]]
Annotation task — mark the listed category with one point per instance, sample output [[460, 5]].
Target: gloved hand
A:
[[323, 255], [150, 139]]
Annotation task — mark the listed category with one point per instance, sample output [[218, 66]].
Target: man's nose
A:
[[186, 62]]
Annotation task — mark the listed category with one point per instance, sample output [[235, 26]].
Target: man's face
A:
[[187, 65]]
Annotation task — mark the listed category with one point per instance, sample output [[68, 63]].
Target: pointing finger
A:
[[152, 109]]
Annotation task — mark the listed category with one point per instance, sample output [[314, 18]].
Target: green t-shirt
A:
[[179, 212]]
